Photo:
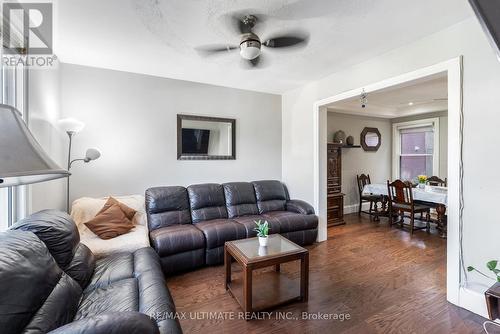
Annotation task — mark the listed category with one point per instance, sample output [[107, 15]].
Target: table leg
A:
[[376, 213], [227, 264], [384, 204], [247, 290], [441, 221], [304, 278], [277, 267]]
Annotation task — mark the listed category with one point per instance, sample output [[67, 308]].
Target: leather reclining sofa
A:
[[50, 282], [189, 226]]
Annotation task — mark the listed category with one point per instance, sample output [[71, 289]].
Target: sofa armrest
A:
[[298, 206], [111, 323]]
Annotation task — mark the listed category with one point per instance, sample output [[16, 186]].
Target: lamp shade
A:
[[22, 159], [92, 154], [71, 125]]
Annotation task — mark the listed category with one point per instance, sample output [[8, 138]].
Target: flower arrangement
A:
[[492, 266], [422, 179]]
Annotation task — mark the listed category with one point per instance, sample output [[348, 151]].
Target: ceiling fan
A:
[[250, 43]]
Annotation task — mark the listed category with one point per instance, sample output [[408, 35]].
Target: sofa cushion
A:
[[119, 296], [59, 308], [57, 231], [207, 202], [249, 223], [112, 268], [240, 199], [291, 221], [176, 239], [117, 323], [218, 231], [167, 206], [271, 195], [128, 211], [110, 223]]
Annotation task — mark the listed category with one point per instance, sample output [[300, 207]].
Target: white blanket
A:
[[85, 208]]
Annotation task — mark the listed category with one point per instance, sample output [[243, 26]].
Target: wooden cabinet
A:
[[335, 197]]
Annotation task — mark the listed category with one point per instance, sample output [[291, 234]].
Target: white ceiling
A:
[[426, 95], [157, 37]]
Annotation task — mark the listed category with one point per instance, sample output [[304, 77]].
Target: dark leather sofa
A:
[[50, 282], [189, 226]]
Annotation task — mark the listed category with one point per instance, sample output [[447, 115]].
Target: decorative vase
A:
[[421, 185], [263, 241], [339, 137], [350, 140]]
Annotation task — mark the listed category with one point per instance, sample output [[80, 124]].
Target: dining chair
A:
[[437, 181], [373, 199], [401, 200]]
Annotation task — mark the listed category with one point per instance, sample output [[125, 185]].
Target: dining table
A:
[[434, 196]]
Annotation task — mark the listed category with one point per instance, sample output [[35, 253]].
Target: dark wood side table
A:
[[492, 301], [269, 289]]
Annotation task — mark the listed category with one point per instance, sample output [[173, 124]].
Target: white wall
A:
[[443, 136], [131, 118], [44, 112], [356, 161], [481, 100]]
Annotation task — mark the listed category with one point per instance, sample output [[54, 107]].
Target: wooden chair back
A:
[[363, 180], [437, 181], [400, 192]]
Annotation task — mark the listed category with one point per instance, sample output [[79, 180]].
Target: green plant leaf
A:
[[470, 268], [492, 264]]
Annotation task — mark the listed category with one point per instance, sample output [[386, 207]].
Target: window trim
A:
[[396, 143]]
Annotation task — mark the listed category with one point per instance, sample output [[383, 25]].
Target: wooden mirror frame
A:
[[181, 156], [363, 137]]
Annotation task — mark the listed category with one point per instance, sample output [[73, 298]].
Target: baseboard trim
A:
[[353, 208], [472, 298]]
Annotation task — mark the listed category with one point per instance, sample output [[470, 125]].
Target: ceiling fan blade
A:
[[288, 40], [209, 50]]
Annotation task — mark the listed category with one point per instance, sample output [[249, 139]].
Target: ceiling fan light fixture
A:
[[250, 49]]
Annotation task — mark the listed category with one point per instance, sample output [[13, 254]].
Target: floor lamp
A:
[[22, 159], [72, 127]]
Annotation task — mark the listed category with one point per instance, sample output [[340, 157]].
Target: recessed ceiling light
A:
[[410, 103]]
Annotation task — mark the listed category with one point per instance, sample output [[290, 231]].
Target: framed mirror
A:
[[370, 139], [205, 138]]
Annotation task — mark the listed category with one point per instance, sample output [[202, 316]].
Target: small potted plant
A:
[[421, 181], [262, 230]]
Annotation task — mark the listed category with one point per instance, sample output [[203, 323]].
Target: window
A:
[[416, 149], [13, 200]]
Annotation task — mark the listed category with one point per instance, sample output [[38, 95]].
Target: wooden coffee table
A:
[[269, 289]]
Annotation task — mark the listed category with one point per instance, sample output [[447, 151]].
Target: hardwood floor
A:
[[385, 280]]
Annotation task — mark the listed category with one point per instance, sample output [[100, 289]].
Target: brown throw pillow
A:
[[110, 223], [129, 212]]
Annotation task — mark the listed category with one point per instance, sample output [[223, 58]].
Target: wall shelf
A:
[[345, 146]]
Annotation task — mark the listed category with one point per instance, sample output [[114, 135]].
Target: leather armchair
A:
[[51, 282]]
